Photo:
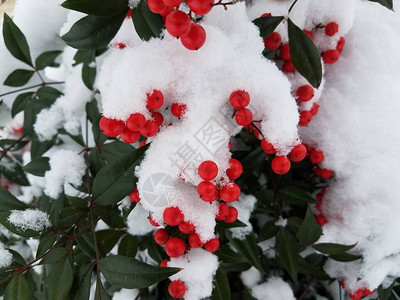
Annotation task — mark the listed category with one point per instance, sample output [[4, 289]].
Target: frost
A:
[[32, 219], [274, 289], [5, 257]]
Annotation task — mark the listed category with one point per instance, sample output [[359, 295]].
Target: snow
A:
[[251, 277], [32, 219], [125, 294], [201, 263], [244, 206], [66, 167], [274, 289], [137, 221], [5, 257], [281, 222]]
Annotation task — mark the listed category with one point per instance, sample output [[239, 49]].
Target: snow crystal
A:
[[244, 206], [5, 257], [33, 219], [199, 267], [66, 167], [274, 289], [137, 221], [251, 277]]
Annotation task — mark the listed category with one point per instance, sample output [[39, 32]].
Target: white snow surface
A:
[[5, 257], [33, 219], [274, 289], [137, 221], [244, 206], [251, 277]]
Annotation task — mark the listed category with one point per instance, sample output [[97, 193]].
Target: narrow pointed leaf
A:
[[386, 3], [18, 78], [59, 281], [9, 202], [17, 289], [38, 166], [97, 7], [288, 252], [267, 25], [147, 24], [46, 59], [309, 231], [221, 289], [331, 248]]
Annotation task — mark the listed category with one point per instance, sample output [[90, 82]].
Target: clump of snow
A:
[[251, 277], [281, 222], [199, 267], [244, 206], [274, 289], [66, 167], [5, 257], [33, 219], [125, 294], [137, 221]]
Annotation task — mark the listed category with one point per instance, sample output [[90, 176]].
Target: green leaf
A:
[[93, 32], [221, 289], [117, 180], [131, 273], [84, 56], [147, 24], [59, 281], [332, 249], [9, 202], [295, 196], [248, 249], [12, 170], [38, 148], [82, 281], [18, 78], [107, 238], [48, 93], [97, 7], [17, 289], [20, 102], [228, 256], [268, 231], [38, 166], [14, 144], [15, 41], [111, 152], [345, 257], [304, 55], [288, 252], [89, 75], [309, 231], [267, 25], [45, 244], [100, 293], [46, 59], [386, 3], [32, 109], [128, 246], [54, 256]]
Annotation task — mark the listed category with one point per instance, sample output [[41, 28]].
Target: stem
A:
[[306, 289], [256, 128], [40, 76], [291, 6], [225, 4], [4, 152], [31, 87]]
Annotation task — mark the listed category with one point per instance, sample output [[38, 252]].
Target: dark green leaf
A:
[[267, 25], [59, 281], [38, 148], [45, 244], [17, 289], [12, 170], [293, 224], [331, 248], [13, 145], [288, 252], [107, 238], [20, 103], [228, 256], [111, 152], [128, 246], [97, 7], [221, 289], [309, 231], [54, 256], [100, 293], [131, 273], [70, 215], [386, 3], [9, 202], [89, 74], [345, 257], [93, 32], [46, 59], [84, 56], [18, 78], [86, 244], [32, 109], [268, 231], [147, 24], [38, 166], [304, 55], [15, 41], [308, 269], [48, 93], [82, 281], [384, 294], [117, 180], [296, 196]]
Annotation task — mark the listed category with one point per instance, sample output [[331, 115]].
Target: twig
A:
[[31, 87], [225, 4], [306, 289], [4, 152], [291, 6]]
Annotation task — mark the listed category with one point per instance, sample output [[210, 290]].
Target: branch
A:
[[31, 87], [4, 152]]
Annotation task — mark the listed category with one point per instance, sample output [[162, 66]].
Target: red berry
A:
[[314, 109], [142, 143], [178, 109], [309, 34], [284, 53], [175, 247], [177, 23], [195, 38], [111, 127], [208, 170], [273, 41], [267, 147], [331, 28], [305, 117], [230, 192], [165, 12], [154, 100], [207, 191], [172, 3], [212, 245], [134, 195], [164, 263], [150, 129], [239, 99], [266, 15], [280, 165], [186, 227], [244, 117], [331, 56], [152, 222], [324, 173], [298, 153], [195, 241], [319, 197], [200, 7], [288, 67], [235, 169], [305, 93], [161, 236], [129, 14], [318, 207], [136, 122], [230, 145], [340, 44], [223, 211], [321, 219], [129, 136], [172, 216], [316, 157], [120, 46], [156, 6], [232, 215], [357, 295], [177, 289], [157, 117]]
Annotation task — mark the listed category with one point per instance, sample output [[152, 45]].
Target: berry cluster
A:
[[357, 295]]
